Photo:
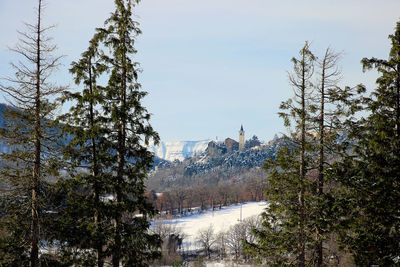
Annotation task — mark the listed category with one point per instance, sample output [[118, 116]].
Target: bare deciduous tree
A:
[[206, 238], [180, 194], [234, 238], [220, 242]]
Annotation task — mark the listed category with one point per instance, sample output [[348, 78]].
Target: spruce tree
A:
[[371, 173], [29, 133]]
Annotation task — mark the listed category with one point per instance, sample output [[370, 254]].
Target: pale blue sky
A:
[[212, 65]]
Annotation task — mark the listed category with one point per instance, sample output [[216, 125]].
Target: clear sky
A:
[[212, 65]]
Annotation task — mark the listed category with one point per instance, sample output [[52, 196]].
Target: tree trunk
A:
[[99, 245], [301, 244], [398, 99], [121, 158], [34, 257], [320, 186]]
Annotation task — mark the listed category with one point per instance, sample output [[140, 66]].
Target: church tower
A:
[[241, 138]]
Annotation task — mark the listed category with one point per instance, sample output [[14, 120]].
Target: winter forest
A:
[[79, 185]]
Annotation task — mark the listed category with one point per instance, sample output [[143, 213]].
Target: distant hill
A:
[[245, 159], [215, 165], [4, 148]]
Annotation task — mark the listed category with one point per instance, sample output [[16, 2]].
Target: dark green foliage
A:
[[81, 218], [103, 207], [252, 142], [75, 228], [371, 174], [278, 240], [14, 233], [129, 132], [302, 211]]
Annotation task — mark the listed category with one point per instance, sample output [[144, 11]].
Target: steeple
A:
[[241, 138]]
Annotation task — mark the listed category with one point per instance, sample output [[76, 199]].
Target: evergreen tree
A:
[[88, 155], [129, 134], [371, 173], [328, 128], [109, 133], [300, 170], [28, 131], [286, 233], [333, 106], [300, 80], [253, 142]]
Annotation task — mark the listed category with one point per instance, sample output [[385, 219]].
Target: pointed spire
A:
[[241, 138]]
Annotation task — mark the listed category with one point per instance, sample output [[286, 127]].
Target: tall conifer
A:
[[110, 131], [371, 174], [129, 134], [88, 155], [286, 232], [28, 131], [328, 128]]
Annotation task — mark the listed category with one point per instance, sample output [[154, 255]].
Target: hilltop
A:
[[218, 163]]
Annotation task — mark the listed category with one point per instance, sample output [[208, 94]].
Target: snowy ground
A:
[[221, 220]]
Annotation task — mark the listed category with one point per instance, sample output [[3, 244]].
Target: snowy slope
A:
[[179, 150], [221, 220]]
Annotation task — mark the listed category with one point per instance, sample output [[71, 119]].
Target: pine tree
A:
[[333, 106], [30, 135], [371, 174]]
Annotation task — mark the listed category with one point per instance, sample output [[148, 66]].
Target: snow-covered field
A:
[[221, 220]]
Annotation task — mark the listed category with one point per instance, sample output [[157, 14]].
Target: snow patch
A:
[[179, 150]]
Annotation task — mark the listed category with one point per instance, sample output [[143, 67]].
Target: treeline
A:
[[183, 200], [326, 194], [72, 186]]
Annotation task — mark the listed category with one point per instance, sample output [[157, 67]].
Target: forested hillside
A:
[[235, 167]]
